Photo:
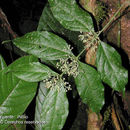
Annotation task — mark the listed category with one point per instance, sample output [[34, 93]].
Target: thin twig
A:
[[114, 118], [6, 25], [111, 20]]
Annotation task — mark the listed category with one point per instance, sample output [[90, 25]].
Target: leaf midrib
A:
[[47, 47], [10, 94], [109, 63], [86, 79]]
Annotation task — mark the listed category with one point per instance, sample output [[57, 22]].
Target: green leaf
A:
[[71, 16], [2, 63], [42, 93], [49, 23], [15, 95], [90, 87], [25, 59], [31, 72], [44, 45], [109, 65], [51, 107]]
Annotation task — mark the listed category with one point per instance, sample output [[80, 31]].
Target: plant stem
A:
[[61, 75], [113, 17], [77, 57], [119, 29], [81, 53], [6, 41], [105, 27]]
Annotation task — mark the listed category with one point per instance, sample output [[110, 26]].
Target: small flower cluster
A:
[[68, 66], [58, 83], [89, 38], [68, 48]]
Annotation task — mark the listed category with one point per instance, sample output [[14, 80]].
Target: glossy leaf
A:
[[42, 93], [25, 59], [53, 109], [44, 45], [110, 67], [71, 16], [2, 63], [15, 95], [49, 23], [31, 72], [90, 87]]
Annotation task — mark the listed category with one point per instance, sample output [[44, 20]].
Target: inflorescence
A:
[[58, 83], [90, 39], [68, 66]]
